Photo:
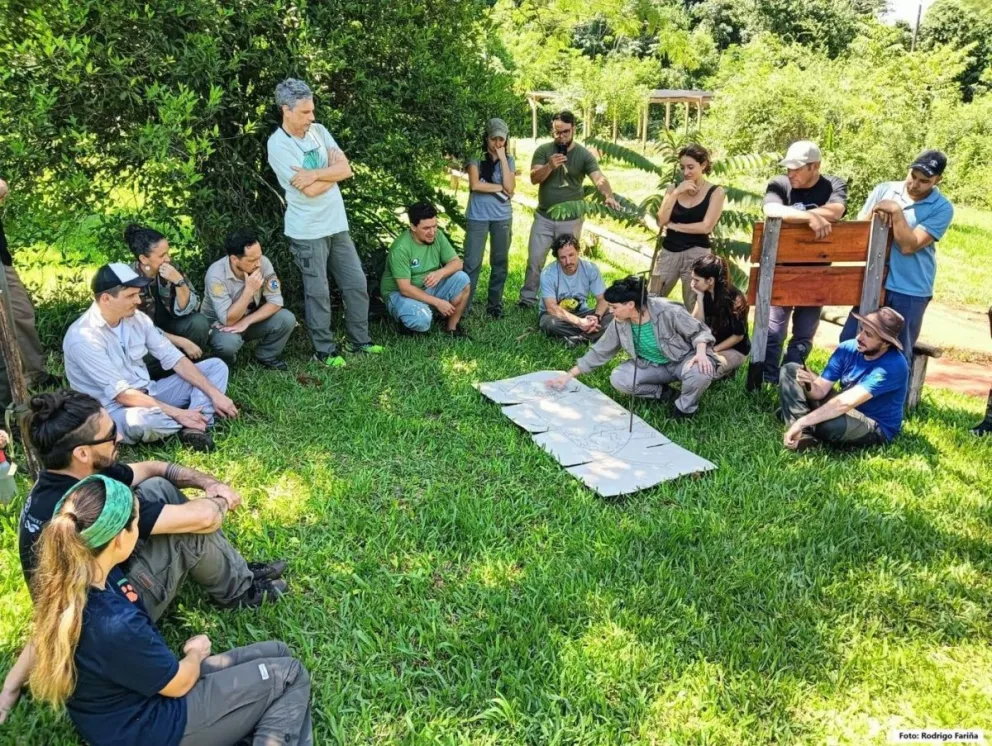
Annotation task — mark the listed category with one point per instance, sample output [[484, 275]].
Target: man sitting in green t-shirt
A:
[[423, 274]]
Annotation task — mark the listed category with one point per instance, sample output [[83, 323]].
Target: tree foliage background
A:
[[172, 101]]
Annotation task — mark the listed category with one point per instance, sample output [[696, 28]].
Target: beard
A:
[[101, 462]]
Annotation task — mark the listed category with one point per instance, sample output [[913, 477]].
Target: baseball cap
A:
[[930, 162], [114, 275], [801, 153], [496, 127]]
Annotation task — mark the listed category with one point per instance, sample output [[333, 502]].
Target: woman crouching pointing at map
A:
[[100, 655], [665, 344]]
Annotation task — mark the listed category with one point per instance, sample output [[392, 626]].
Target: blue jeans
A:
[[417, 315], [805, 320], [910, 307]]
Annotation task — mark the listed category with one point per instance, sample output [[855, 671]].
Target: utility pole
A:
[[916, 28]]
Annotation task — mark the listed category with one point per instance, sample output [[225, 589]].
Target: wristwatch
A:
[[182, 283]]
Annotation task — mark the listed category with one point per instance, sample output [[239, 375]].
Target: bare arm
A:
[[540, 174], [601, 306], [238, 308], [908, 240], [409, 290], [478, 185], [728, 342], [197, 650], [840, 404], [16, 679], [667, 205], [603, 185], [509, 177], [267, 310], [552, 307], [712, 217], [202, 516]]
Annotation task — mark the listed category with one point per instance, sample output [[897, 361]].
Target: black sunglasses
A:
[[101, 441]]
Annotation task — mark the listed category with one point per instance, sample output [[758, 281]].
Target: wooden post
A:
[[533, 115], [763, 301], [15, 375], [699, 113], [687, 117], [644, 131], [878, 245], [668, 115]]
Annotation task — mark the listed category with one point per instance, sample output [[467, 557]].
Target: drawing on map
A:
[[591, 435]]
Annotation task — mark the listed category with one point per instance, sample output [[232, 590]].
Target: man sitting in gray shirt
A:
[[565, 289], [104, 357], [235, 288]]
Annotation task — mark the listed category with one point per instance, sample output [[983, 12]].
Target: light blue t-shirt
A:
[[913, 274], [307, 218], [586, 281], [482, 206]]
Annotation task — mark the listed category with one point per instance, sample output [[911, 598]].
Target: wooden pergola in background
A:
[[660, 96]]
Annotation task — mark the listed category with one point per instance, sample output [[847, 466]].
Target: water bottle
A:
[[8, 487]]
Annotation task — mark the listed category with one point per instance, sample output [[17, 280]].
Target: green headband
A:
[[114, 516]]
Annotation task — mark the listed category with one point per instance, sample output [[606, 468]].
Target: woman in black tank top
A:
[[688, 214]]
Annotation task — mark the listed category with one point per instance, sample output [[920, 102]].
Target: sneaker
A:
[[267, 570], [365, 349], [985, 428], [258, 593], [495, 313], [458, 333], [331, 359], [202, 442], [273, 363]]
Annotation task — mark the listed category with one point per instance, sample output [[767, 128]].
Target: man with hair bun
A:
[[665, 344]]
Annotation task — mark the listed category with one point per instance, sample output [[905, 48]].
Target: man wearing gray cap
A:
[[802, 195], [492, 180], [310, 165], [874, 378]]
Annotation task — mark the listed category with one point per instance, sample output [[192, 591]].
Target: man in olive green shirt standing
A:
[[559, 168], [423, 274]]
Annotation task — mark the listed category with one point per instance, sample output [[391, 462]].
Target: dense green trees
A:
[[172, 101]]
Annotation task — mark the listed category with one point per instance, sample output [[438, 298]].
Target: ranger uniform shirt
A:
[[222, 288]]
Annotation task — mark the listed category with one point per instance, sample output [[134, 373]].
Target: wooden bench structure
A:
[[794, 269]]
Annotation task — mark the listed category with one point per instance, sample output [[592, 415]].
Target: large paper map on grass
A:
[[590, 434]]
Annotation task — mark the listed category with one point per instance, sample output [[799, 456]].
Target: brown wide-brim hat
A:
[[886, 323]]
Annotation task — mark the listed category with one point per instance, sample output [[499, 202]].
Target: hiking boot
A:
[[495, 312], [364, 349], [331, 359], [677, 414], [525, 304], [985, 428], [273, 363], [197, 441], [267, 570], [258, 593], [458, 333]]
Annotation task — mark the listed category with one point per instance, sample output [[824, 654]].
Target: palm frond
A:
[[743, 163], [580, 208], [742, 199], [628, 156]]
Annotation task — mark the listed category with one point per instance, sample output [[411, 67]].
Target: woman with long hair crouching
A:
[[723, 308], [99, 654]]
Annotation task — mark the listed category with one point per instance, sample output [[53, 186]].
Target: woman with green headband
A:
[[99, 654]]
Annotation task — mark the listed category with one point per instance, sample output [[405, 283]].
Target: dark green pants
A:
[[195, 328], [272, 334], [161, 562]]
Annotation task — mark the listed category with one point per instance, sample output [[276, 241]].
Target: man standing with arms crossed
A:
[[309, 165], [559, 168]]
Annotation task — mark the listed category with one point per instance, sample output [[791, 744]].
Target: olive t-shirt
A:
[[565, 182]]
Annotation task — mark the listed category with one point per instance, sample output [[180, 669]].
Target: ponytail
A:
[[93, 512], [60, 588]]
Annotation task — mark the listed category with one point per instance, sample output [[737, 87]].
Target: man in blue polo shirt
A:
[[919, 216], [873, 377]]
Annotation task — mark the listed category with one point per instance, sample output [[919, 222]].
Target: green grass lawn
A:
[[452, 584]]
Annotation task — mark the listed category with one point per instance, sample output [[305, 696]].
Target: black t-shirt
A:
[[731, 325], [5, 257], [828, 190], [45, 495]]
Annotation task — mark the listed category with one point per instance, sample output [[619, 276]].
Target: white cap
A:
[[800, 154]]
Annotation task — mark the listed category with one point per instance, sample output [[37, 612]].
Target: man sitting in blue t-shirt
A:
[[566, 286], [873, 376]]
